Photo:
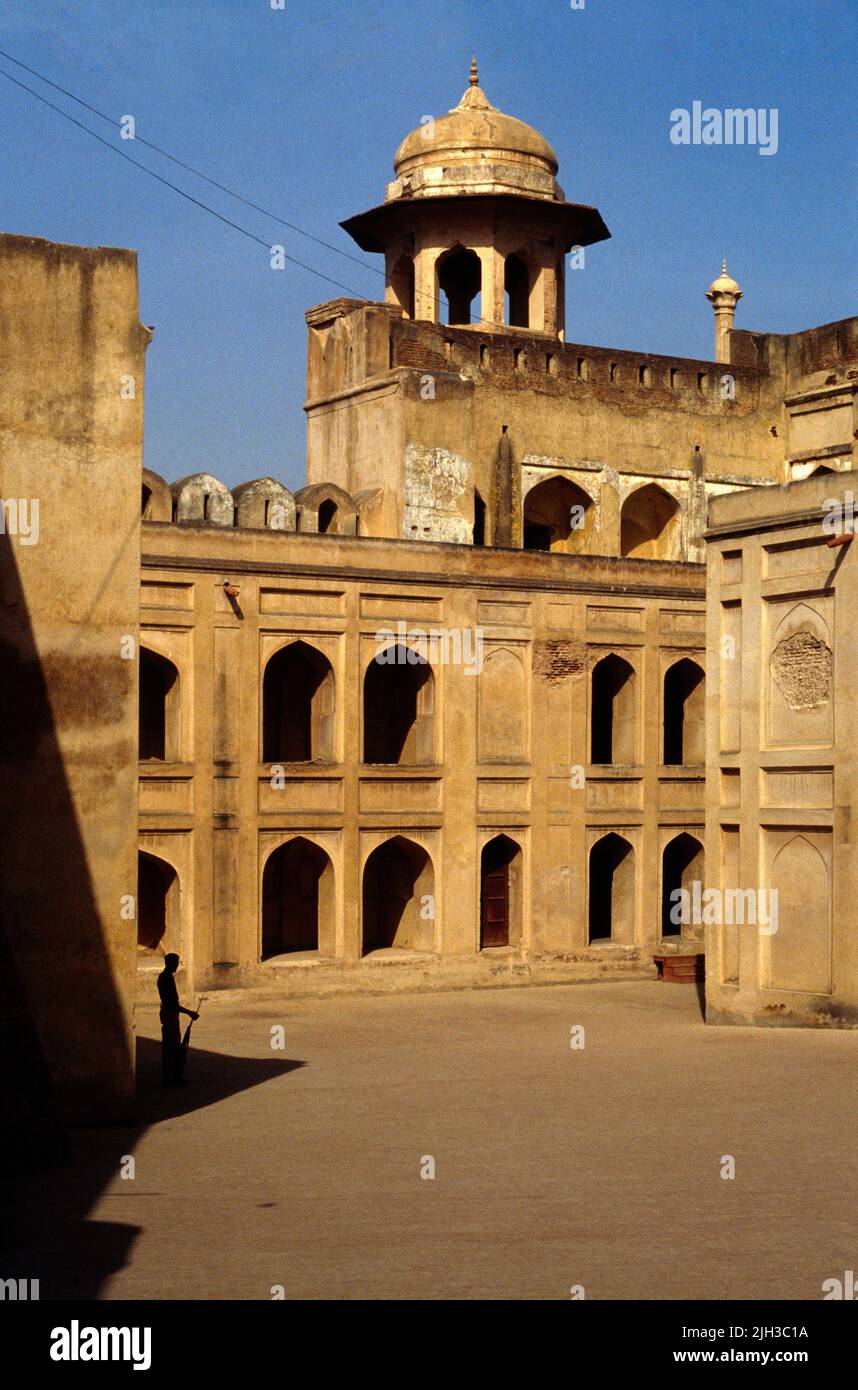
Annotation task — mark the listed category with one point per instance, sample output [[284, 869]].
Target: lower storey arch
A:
[[157, 905], [611, 890], [297, 900], [398, 899]]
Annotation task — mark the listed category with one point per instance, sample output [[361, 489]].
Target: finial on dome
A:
[[725, 284], [474, 98]]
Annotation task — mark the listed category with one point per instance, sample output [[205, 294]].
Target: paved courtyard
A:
[[554, 1166]]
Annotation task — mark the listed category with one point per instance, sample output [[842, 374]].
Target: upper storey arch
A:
[[651, 525]]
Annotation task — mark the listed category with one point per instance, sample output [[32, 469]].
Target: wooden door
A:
[[494, 907]]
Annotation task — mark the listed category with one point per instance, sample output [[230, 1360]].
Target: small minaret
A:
[[723, 294]]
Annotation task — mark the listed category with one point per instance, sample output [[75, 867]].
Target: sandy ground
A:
[[554, 1166]]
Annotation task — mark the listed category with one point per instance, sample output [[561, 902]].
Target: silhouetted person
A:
[[171, 1042]]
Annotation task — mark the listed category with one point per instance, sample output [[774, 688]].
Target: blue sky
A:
[[301, 109]]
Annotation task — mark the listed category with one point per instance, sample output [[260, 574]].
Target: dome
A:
[[724, 284], [474, 148]]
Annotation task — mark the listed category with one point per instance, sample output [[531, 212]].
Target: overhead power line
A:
[[198, 173], [175, 187]]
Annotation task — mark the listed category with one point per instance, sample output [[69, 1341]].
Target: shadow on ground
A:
[[45, 1232]]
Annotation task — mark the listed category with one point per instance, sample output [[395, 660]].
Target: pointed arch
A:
[[682, 865], [458, 279], [156, 502], [297, 900], [559, 515], [799, 951], [518, 278], [650, 525], [398, 897], [500, 892], [399, 707], [502, 708], [157, 904], [158, 708], [611, 890], [683, 714], [327, 509], [613, 712], [298, 706]]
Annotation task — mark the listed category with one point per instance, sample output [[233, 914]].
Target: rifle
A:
[[186, 1040]]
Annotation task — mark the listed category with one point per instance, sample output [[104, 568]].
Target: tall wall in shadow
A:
[[71, 432]]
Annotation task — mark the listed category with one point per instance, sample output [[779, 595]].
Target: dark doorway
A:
[[536, 536], [684, 733], [297, 706], [495, 891], [516, 283], [611, 897], [398, 905], [296, 887], [479, 536], [459, 280], [397, 705], [612, 713], [155, 879], [328, 518], [681, 865], [159, 683]]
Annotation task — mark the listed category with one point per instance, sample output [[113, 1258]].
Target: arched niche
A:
[[799, 951], [398, 707], [801, 675], [158, 708], [683, 714], [613, 712], [611, 890], [650, 522], [298, 706], [458, 274], [157, 906], [682, 865], [502, 708], [398, 903], [559, 516], [297, 900], [500, 893]]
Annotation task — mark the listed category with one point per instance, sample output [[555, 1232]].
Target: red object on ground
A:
[[681, 970]]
